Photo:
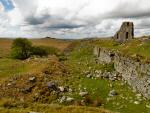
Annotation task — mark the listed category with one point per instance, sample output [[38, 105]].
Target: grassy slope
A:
[[99, 88], [79, 61], [10, 67], [134, 47]]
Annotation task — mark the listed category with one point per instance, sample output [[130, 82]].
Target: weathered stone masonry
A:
[[136, 73], [125, 33]]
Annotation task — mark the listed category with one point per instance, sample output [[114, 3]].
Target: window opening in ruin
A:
[[127, 23], [127, 35], [132, 32], [117, 36], [112, 55]]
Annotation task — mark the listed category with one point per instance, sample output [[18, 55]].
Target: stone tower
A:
[[125, 33]]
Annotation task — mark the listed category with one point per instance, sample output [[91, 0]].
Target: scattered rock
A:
[[86, 72], [113, 93], [70, 90], [32, 79], [61, 88], [98, 76], [138, 95], [63, 99], [148, 106], [9, 84], [66, 99], [33, 112], [140, 99], [83, 94], [89, 76], [136, 102], [52, 85], [69, 99], [27, 90], [112, 79]]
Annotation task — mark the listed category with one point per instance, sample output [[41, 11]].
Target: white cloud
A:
[[15, 17], [73, 18]]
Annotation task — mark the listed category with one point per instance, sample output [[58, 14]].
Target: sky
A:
[[72, 18]]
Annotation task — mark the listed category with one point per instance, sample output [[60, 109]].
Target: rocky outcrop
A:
[[136, 73]]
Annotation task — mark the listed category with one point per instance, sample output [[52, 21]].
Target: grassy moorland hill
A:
[[5, 44], [25, 84]]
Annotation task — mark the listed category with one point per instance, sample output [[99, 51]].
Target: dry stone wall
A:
[[136, 73], [104, 56]]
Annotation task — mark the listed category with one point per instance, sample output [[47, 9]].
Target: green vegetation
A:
[[21, 48], [11, 67], [43, 51], [39, 50]]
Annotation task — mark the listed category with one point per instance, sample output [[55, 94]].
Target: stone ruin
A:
[[136, 73], [125, 33]]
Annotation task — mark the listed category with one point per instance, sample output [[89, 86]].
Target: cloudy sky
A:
[[71, 18]]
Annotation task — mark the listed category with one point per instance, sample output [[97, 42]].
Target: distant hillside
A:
[[5, 44]]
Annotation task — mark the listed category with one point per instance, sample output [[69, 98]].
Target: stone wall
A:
[[104, 56], [136, 73]]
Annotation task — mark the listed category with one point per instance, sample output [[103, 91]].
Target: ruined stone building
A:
[[125, 33]]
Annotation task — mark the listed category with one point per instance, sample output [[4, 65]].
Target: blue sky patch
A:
[[8, 5]]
